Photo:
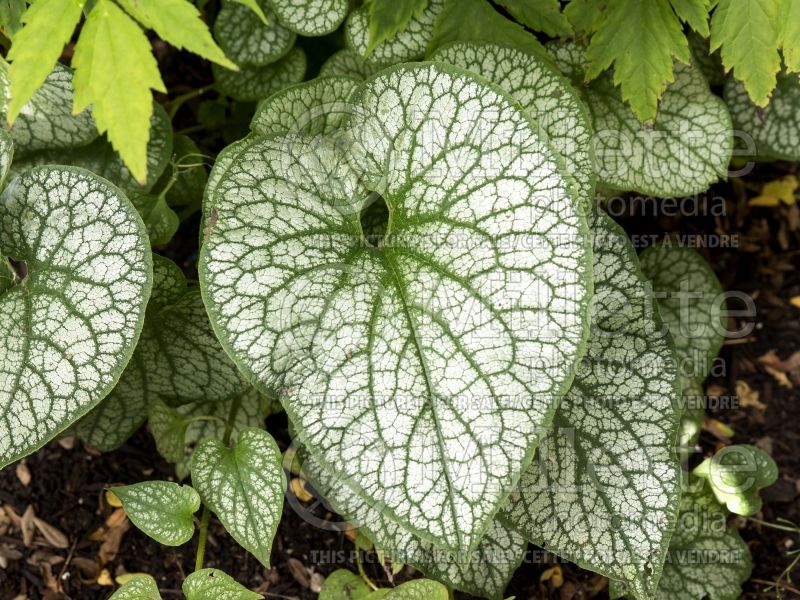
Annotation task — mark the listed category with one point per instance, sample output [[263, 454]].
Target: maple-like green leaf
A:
[[736, 474], [48, 26], [315, 107], [478, 21], [162, 509], [789, 33], [114, 73], [406, 45], [388, 17], [72, 314], [604, 490], [249, 41], [585, 15], [311, 312], [244, 487], [256, 83], [141, 587], [348, 63], [775, 129], [11, 16], [694, 13], [256, 8], [178, 22], [745, 32], [541, 15], [46, 122], [686, 149], [640, 39], [212, 584]]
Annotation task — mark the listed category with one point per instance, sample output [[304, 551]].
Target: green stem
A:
[[178, 101], [774, 525], [206, 516], [363, 573]]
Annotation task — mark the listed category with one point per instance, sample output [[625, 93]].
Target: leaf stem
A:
[[178, 101]]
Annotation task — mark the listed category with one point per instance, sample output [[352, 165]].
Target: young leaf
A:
[[71, 318], [247, 39], [347, 63], [686, 149], [389, 17], [168, 428], [789, 33], [48, 27], [543, 15], [189, 173], [311, 312], [315, 107], [605, 488], [478, 21], [160, 220], [640, 39], [178, 358], [211, 584], [344, 585], [178, 22], [114, 72], [701, 536], [408, 44], [161, 509], [543, 93], [255, 83], [690, 301], [775, 129], [46, 121], [745, 32], [484, 572], [736, 474], [244, 486], [141, 587], [311, 17]]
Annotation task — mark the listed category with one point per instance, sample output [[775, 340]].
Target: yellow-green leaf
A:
[[256, 8], [387, 17], [48, 25], [745, 31], [640, 39], [789, 33], [694, 13], [178, 22], [114, 72], [541, 15]]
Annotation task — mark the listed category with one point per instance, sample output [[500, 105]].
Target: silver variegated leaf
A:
[[405, 364], [605, 487], [246, 39], [348, 63], [212, 584], [141, 587], [255, 83], [72, 314], [311, 17]]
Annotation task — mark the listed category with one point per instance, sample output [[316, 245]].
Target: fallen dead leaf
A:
[[795, 301], [24, 523], [23, 473], [299, 572], [112, 500], [748, 396], [52, 536], [317, 579], [718, 429], [111, 542], [105, 578], [88, 569], [554, 576], [777, 191], [299, 489]]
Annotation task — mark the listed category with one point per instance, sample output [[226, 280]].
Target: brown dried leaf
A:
[[23, 473], [111, 542], [52, 536], [88, 569], [748, 396], [299, 572]]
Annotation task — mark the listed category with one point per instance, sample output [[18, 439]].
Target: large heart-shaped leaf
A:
[[46, 121], [212, 584], [408, 44], [691, 303], [178, 358], [348, 63], [685, 149], [484, 572], [246, 39], [72, 315], [605, 488], [423, 371], [244, 486], [773, 131], [161, 509], [255, 83], [543, 93]]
